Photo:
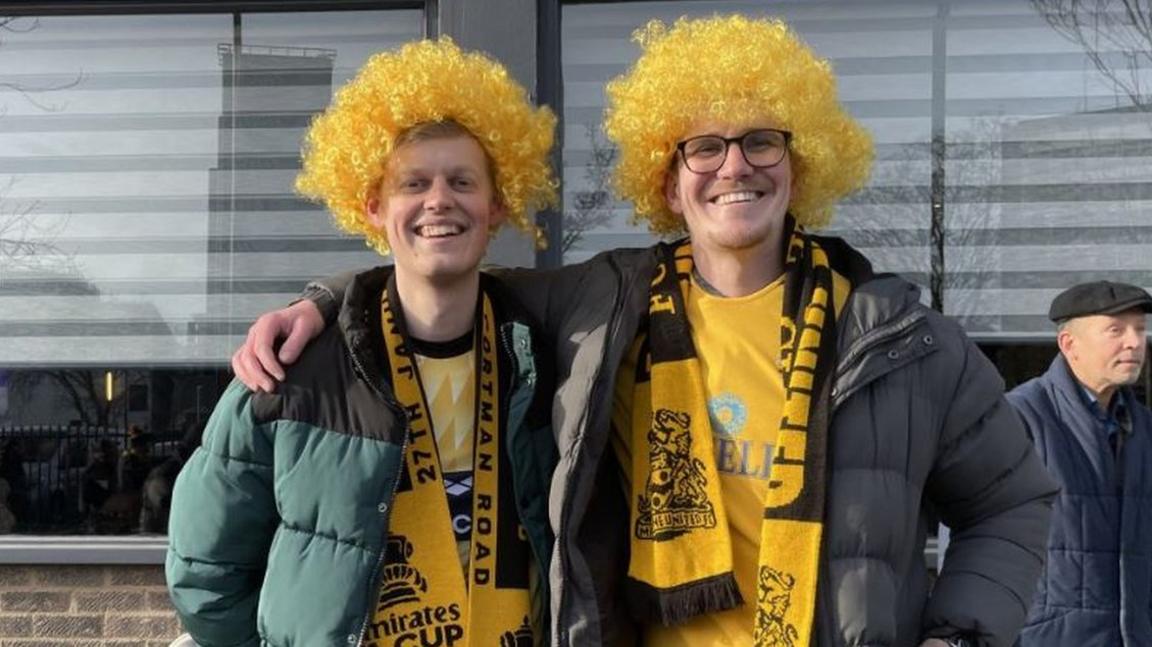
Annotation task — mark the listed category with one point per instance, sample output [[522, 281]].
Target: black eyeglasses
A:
[[761, 148]]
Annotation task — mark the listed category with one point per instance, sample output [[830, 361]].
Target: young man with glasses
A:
[[786, 424]]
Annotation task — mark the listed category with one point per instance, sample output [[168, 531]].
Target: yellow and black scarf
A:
[[681, 562], [425, 597]]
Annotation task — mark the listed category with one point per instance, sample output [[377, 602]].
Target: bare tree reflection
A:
[[592, 206], [32, 93], [27, 241], [1116, 35]]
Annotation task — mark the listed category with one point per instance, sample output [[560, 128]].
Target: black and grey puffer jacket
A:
[[920, 433]]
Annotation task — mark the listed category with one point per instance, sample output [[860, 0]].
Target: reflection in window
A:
[[96, 451], [146, 217], [146, 204]]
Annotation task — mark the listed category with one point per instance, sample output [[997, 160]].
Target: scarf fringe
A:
[[675, 605]]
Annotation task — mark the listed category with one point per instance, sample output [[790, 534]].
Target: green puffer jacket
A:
[[279, 520]]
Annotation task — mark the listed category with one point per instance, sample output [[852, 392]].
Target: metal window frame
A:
[[121, 7], [524, 35], [550, 92]]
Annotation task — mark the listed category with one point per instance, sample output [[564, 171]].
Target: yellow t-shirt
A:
[[450, 387], [738, 343]]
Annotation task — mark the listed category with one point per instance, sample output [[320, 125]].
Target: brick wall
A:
[[89, 606]]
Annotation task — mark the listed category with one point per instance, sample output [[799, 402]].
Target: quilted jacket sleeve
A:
[[221, 525], [328, 293], [991, 489]]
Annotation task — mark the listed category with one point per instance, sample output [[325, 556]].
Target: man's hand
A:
[[255, 363]]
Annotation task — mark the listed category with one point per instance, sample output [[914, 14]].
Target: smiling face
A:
[[736, 207], [1105, 351], [437, 205]]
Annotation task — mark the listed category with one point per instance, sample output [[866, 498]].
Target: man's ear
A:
[[374, 209], [497, 214], [672, 190], [1065, 340]]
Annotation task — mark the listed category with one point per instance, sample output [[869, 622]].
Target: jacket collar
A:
[[359, 315], [364, 291], [358, 318], [877, 300], [1071, 396], [884, 300], [1070, 408]]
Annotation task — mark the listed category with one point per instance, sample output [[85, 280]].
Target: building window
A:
[[146, 217]]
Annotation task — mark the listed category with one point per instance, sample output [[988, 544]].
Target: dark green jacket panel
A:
[[273, 516], [527, 384], [331, 491]]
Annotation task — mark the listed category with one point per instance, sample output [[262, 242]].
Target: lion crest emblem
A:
[[675, 498]]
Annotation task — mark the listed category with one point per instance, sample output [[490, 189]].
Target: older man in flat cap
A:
[[1095, 437]]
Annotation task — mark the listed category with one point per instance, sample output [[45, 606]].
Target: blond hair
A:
[[737, 70], [347, 148]]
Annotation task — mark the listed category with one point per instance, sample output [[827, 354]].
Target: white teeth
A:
[[737, 196], [438, 231]]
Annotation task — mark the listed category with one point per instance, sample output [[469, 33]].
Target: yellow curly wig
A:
[[731, 69], [347, 147]]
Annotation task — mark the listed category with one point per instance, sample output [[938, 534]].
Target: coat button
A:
[[893, 354], [352, 638], [928, 341], [383, 507]]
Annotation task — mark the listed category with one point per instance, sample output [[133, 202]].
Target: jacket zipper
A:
[[402, 416], [510, 353]]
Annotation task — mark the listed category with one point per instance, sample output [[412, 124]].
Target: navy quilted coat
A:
[[1097, 584]]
